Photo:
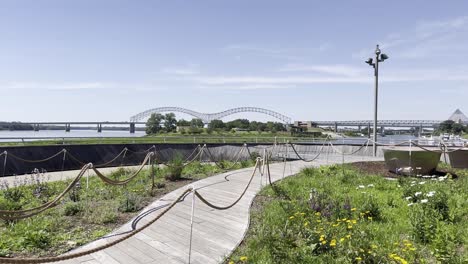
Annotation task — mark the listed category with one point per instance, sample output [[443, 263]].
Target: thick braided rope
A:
[[124, 150], [37, 161], [210, 156], [350, 153], [96, 249], [388, 145], [143, 151], [187, 162], [26, 213], [301, 158], [21, 214], [131, 177], [237, 200]]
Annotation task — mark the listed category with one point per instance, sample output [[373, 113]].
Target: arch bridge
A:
[[208, 117]]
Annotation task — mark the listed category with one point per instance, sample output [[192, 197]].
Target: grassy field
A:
[[238, 137], [328, 215], [84, 214]]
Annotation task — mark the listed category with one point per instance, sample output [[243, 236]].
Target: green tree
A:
[[183, 123], [216, 124], [457, 128], [446, 126], [170, 122], [197, 122], [153, 125]]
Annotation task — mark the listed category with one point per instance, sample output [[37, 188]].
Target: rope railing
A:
[[26, 213], [219, 207], [349, 153], [36, 161], [98, 248], [124, 150], [303, 159], [219, 165]]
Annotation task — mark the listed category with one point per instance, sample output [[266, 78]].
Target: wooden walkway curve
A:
[[215, 233]]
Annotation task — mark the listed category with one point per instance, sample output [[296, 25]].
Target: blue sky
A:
[[108, 60]]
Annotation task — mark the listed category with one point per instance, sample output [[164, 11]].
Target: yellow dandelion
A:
[[350, 227], [302, 214], [342, 239], [291, 217], [348, 236], [353, 209], [369, 217], [358, 258], [243, 258], [374, 246], [318, 221], [231, 262], [333, 243], [354, 221], [317, 213], [412, 249], [324, 242], [306, 224]]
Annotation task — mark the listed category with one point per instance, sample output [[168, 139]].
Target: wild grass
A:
[[335, 217]]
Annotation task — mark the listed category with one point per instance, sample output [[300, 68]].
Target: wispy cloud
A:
[[255, 50], [190, 69], [427, 39], [65, 86], [338, 69]]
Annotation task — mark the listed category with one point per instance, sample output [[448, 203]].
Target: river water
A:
[[17, 135]]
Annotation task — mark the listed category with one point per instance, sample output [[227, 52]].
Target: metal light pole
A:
[[379, 57]]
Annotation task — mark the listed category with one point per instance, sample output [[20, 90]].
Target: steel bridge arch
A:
[[208, 117]]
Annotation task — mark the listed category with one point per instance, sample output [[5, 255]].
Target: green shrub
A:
[[131, 203], [72, 208], [175, 167]]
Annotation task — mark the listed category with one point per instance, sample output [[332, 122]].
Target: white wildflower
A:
[[361, 186], [410, 204], [370, 185], [413, 182], [417, 193], [424, 201], [408, 198], [422, 183]]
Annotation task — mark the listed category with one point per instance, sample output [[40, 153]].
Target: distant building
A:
[[459, 117], [304, 126]]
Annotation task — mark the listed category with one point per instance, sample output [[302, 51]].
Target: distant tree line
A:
[[15, 126], [450, 126], [159, 123]]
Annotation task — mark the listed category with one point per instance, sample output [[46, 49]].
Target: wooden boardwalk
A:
[[215, 233]]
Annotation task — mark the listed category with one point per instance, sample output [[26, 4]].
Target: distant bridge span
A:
[[208, 117]]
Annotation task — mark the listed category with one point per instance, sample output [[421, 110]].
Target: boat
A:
[[411, 160]]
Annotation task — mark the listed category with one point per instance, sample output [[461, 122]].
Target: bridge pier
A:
[[368, 130], [359, 129], [382, 130], [36, 127], [99, 128], [336, 127], [67, 127], [132, 128]]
